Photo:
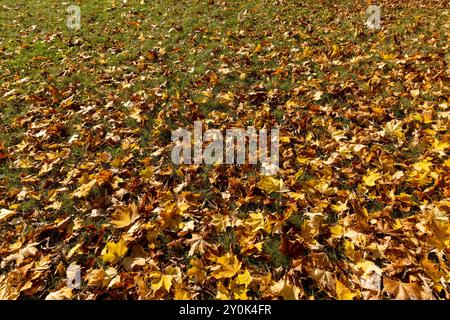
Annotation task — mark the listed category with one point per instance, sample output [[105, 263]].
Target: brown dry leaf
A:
[[6, 214], [95, 277], [61, 294], [401, 290], [124, 216], [197, 244]]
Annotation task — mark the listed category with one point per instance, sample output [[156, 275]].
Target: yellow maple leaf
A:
[[220, 222], [228, 266], [222, 292], [447, 163], [258, 48], [387, 56], [182, 207], [307, 52], [336, 50], [84, 189], [423, 166], [439, 146], [165, 281], [286, 290], [349, 249], [147, 173], [397, 225], [341, 207], [370, 177], [197, 270], [296, 196], [270, 184], [181, 293], [337, 230], [75, 249], [239, 291], [113, 252], [244, 278], [255, 221], [226, 97], [344, 293]]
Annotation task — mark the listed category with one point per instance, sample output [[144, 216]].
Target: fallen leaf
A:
[[113, 252]]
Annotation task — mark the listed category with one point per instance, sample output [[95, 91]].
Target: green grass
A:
[[272, 249]]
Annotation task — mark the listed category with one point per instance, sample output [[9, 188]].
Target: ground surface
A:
[[359, 208]]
